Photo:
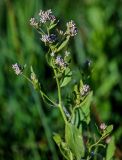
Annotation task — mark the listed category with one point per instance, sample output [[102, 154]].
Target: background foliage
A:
[[26, 123]]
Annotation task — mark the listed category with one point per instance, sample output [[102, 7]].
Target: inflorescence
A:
[[47, 21], [44, 25], [33, 22], [17, 69], [48, 38], [46, 16], [60, 62], [84, 90], [71, 28]]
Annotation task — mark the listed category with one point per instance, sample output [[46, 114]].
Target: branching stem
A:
[[41, 92]]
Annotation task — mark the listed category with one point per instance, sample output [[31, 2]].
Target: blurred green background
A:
[[26, 123]]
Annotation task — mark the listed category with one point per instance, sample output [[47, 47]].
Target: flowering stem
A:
[[59, 97]]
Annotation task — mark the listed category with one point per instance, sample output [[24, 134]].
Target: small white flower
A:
[[45, 38], [67, 53], [60, 61], [103, 126], [61, 32], [17, 69], [84, 90], [52, 54]]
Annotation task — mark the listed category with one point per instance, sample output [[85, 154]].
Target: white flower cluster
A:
[[48, 38], [46, 16], [17, 69], [45, 38], [71, 28], [84, 90], [60, 61], [33, 22]]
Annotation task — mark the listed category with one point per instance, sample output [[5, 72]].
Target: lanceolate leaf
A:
[[57, 139], [67, 77], [110, 149], [84, 109], [64, 149], [63, 44], [52, 26], [108, 130], [74, 140]]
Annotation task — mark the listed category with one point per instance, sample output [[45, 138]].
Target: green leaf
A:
[[74, 140], [31, 68], [76, 92], [49, 59], [81, 84], [34, 79], [63, 44], [57, 139], [110, 149], [76, 120], [108, 130], [67, 77], [52, 26], [64, 149], [66, 152], [84, 108]]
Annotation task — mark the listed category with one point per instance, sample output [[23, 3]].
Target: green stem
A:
[[58, 86], [41, 92], [103, 137], [47, 29], [63, 114], [95, 144], [88, 158], [27, 78], [59, 97], [40, 31]]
